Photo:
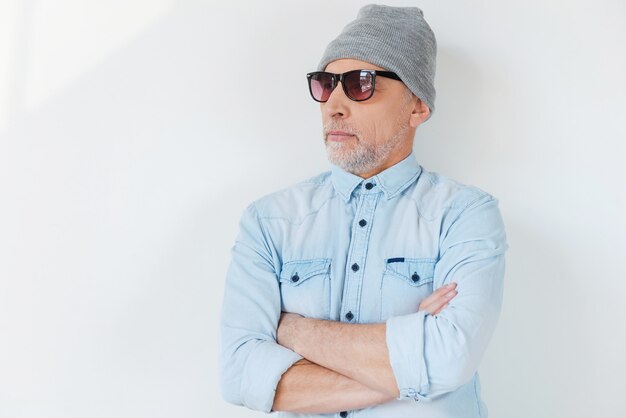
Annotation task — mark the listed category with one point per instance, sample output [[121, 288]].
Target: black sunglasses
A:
[[357, 84]]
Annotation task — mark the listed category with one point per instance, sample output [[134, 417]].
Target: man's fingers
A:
[[440, 309], [439, 299], [438, 294], [441, 302]]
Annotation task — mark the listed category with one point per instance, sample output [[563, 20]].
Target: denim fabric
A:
[[357, 250]]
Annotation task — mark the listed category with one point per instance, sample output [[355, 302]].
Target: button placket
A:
[[358, 249]]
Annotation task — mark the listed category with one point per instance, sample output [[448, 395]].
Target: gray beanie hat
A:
[[397, 39]]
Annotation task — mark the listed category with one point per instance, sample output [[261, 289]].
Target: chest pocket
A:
[[405, 283], [305, 287]]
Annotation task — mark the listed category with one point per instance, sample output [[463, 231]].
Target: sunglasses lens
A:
[[321, 86], [359, 84]]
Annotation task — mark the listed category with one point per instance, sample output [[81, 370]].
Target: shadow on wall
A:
[[156, 78], [109, 131], [90, 164]]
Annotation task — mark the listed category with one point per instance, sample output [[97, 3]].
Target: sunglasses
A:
[[357, 84]]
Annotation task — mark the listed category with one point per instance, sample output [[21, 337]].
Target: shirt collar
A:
[[392, 180]]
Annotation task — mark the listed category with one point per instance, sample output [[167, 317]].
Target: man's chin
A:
[[341, 160], [341, 147], [335, 155]]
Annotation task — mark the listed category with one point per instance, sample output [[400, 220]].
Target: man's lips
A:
[[338, 135]]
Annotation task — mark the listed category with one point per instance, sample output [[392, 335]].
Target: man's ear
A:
[[419, 113]]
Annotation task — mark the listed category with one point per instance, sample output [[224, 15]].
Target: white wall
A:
[[134, 132]]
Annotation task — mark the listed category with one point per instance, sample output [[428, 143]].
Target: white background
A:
[[134, 132]]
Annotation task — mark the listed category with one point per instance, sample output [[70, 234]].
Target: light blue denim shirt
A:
[[356, 250]]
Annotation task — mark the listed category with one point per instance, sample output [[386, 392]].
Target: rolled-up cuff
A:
[[262, 372], [405, 342]]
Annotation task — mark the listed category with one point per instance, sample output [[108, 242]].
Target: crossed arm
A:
[[345, 366], [273, 361]]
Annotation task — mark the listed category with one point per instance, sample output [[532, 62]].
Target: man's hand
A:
[[439, 299]]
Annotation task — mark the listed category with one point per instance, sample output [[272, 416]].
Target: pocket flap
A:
[[415, 271], [298, 271]]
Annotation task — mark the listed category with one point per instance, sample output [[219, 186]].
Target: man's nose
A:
[[338, 104]]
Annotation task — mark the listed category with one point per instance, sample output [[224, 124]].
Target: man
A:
[[341, 296]]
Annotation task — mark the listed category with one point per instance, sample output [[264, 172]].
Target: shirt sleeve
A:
[[251, 361], [433, 355]]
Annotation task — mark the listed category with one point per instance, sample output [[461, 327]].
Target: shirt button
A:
[[349, 316], [415, 277], [362, 222], [343, 414], [355, 267], [369, 186], [295, 278]]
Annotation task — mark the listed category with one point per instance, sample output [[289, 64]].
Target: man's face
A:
[[366, 137]]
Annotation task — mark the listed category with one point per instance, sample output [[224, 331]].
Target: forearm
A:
[[357, 351], [307, 387]]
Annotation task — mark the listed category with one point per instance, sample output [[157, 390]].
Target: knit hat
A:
[[397, 39]]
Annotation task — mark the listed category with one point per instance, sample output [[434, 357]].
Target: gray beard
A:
[[364, 157]]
